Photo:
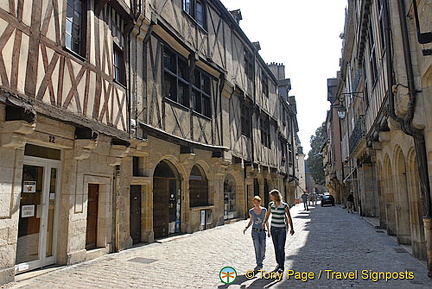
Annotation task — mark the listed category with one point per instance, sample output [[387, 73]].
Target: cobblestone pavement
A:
[[326, 238]]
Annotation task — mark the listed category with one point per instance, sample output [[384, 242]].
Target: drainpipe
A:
[[221, 88], [254, 106], [406, 122], [251, 122]]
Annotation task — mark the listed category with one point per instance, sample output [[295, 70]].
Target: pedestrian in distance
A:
[[315, 196], [312, 201], [278, 228], [305, 200], [350, 203], [256, 219]]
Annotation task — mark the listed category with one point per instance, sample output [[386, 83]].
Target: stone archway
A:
[[166, 200], [401, 199], [418, 240], [389, 197], [381, 197]]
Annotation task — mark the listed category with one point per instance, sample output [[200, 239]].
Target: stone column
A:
[[220, 167], [71, 248], [115, 157], [367, 190]]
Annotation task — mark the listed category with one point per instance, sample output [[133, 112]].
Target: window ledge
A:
[[201, 115], [119, 83], [175, 103], [199, 208], [76, 55]]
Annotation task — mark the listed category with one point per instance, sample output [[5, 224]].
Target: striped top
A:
[[278, 215]]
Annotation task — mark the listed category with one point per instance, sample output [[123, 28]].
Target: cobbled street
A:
[[326, 238]]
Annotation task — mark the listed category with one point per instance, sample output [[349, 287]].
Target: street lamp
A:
[[341, 110]]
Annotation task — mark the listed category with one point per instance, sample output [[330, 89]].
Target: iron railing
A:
[[357, 134]]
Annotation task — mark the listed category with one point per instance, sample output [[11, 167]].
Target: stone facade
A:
[[384, 87]]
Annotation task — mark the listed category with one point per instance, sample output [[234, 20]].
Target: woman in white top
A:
[[280, 213]]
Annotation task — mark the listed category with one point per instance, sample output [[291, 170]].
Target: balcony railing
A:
[[357, 134]]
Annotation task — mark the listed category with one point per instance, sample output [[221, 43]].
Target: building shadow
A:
[[255, 283], [341, 242]]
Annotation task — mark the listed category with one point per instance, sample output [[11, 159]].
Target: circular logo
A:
[[227, 275]]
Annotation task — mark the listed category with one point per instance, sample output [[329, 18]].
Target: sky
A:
[[304, 35]]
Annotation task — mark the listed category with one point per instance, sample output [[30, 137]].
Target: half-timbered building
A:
[[124, 121], [211, 124], [64, 128]]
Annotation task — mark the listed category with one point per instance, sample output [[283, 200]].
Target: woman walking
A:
[[280, 213], [257, 215]]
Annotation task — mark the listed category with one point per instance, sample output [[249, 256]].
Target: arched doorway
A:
[[230, 198], [166, 200], [389, 197], [418, 240], [381, 191]]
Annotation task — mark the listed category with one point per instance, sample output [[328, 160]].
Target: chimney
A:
[[278, 70], [236, 14]]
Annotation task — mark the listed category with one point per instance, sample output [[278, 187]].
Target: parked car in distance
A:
[[327, 199]]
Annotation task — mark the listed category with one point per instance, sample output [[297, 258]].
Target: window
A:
[[372, 56], [117, 28], [196, 9], [186, 86], [176, 84], [264, 84], [265, 130], [201, 91], [283, 145], [381, 24], [75, 26], [119, 65], [365, 87], [290, 154], [245, 120], [284, 115], [137, 167], [248, 64], [198, 187]]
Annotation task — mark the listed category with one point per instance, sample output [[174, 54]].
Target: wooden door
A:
[[135, 214], [92, 216], [160, 207]]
